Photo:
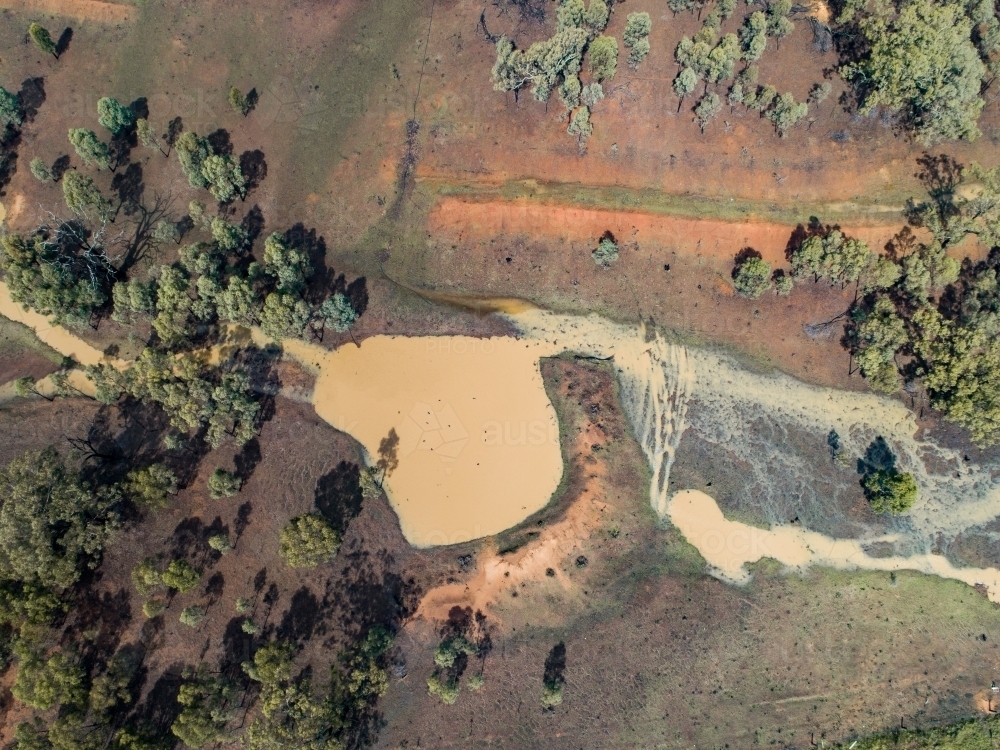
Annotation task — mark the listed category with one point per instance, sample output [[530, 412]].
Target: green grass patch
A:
[[864, 210]]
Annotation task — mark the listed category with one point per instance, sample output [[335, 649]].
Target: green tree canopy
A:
[[92, 150], [308, 540], [111, 114], [151, 486], [832, 256], [46, 682], [753, 277], [44, 277], [206, 710], [11, 115], [192, 150], [338, 313], [603, 58], [83, 198], [42, 39], [923, 64], [51, 523], [181, 575], [222, 483], [786, 112], [224, 178], [890, 491]]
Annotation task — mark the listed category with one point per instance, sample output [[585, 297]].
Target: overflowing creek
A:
[[471, 440]]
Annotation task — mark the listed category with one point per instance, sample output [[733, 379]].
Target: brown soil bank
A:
[[463, 219]]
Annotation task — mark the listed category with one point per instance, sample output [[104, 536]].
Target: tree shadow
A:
[[247, 459], [220, 142], [214, 588], [253, 224], [356, 292], [253, 165], [140, 108], [108, 616], [174, 129], [338, 495], [188, 540], [252, 98], [142, 243], [242, 519], [130, 187], [32, 96], [59, 167], [259, 580], [370, 592], [901, 244], [64, 40], [160, 708], [939, 175], [237, 647], [302, 617], [121, 146], [555, 665], [388, 453], [8, 166], [878, 457]]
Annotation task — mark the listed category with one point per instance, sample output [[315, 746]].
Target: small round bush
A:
[[153, 608], [220, 543], [606, 252], [446, 690], [552, 695], [307, 541], [181, 575], [223, 484], [193, 615], [753, 278], [890, 491]]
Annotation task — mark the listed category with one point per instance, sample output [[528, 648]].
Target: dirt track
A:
[[722, 239]]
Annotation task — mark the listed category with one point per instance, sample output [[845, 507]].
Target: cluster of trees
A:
[[197, 397], [53, 526], [205, 168], [636, 37], [920, 318], [936, 324], [925, 60], [55, 275], [445, 682], [556, 63], [212, 283], [294, 714], [707, 58], [464, 637], [826, 254]]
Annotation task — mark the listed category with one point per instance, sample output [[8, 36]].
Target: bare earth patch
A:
[[82, 10]]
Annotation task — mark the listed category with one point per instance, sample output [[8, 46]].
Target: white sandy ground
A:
[[478, 448], [728, 546]]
